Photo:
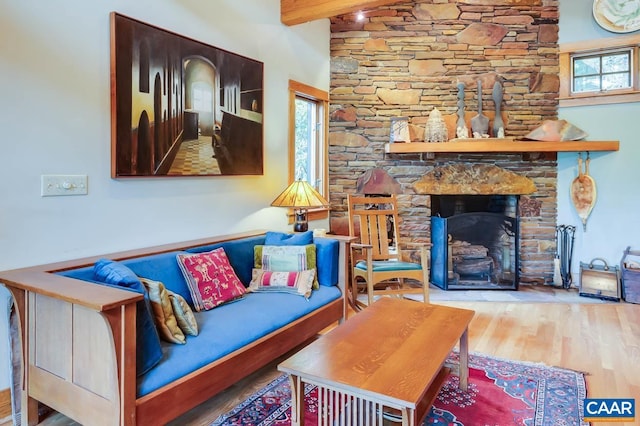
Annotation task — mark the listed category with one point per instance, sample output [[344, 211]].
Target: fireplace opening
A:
[[475, 240]]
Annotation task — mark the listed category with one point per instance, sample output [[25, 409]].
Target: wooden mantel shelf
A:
[[500, 145]]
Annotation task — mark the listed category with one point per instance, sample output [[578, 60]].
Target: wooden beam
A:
[[294, 12]]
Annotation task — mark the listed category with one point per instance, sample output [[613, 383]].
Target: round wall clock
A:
[[618, 16]]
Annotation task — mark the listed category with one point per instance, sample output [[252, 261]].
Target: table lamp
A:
[[300, 195]]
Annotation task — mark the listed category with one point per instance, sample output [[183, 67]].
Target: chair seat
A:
[[385, 266]]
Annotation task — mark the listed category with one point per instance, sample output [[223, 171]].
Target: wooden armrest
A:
[[361, 246], [92, 296]]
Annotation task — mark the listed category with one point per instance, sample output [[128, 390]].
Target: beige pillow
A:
[[184, 314], [165, 319]]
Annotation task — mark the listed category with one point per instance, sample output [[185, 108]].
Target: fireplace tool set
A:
[[565, 235]]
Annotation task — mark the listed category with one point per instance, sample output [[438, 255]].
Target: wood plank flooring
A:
[[602, 340]]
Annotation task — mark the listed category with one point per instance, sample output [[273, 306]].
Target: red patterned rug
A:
[[501, 392]]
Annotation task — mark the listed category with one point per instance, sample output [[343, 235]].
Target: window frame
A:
[[321, 98], [569, 51]]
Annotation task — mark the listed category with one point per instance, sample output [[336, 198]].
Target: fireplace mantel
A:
[[500, 145]]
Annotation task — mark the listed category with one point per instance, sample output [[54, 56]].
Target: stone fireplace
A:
[[404, 60]]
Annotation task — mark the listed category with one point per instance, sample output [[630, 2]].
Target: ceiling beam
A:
[[294, 12]]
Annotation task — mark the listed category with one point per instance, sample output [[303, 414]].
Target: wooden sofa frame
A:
[[79, 345]]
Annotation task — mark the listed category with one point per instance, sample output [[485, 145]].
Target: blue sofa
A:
[[234, 340]]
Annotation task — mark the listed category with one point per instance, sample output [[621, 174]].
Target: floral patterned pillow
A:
[[210, 278]]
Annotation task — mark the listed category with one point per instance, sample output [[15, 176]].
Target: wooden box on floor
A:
[[598, 279]]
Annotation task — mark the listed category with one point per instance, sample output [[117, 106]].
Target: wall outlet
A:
[[56, 185]]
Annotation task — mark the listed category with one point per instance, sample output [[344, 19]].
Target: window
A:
[[602, 72], [599, 72], [202, 97], [308, 133]]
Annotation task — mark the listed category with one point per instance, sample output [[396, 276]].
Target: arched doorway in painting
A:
[[144, 164], [201, 82]]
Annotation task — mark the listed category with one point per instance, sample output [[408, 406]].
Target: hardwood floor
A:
[[602, 340]]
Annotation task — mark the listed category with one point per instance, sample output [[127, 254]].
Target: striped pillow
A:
[[299, 282], [286, 258]]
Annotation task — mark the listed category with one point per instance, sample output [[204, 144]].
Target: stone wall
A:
[[406, 59]]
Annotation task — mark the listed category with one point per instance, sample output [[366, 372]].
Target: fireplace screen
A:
[[474, 242]]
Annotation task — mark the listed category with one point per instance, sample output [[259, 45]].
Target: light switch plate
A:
[[56, 185]]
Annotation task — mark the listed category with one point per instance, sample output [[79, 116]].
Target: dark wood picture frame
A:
[[180, 107]]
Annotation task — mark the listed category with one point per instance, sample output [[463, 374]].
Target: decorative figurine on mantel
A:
[[480, 123], [436, 129], [462, 131], [498, 123]]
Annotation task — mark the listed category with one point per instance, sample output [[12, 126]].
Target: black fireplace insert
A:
[[475, 240]]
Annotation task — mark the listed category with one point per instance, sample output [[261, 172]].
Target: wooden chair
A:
[[376, 259]]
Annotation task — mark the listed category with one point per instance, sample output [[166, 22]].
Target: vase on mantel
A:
[[498, 123]]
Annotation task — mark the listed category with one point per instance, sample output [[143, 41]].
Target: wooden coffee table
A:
[[388, 358]]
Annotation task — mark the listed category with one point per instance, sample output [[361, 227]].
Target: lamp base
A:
[[301, 227], [301, 224]]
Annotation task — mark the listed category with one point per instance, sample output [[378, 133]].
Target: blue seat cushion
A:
[[389, 265], [229, 327]]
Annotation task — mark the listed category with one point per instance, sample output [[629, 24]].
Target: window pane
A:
[[586, 66], [586, 84], [308, 142], [304, 137], [616, 81], [615, 63]]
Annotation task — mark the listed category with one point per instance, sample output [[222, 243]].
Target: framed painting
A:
[[180, 107]]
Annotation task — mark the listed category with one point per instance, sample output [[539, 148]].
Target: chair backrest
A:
[[377, 217]]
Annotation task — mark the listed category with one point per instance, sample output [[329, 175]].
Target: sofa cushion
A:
[[162, 267], [284, 239], [112, 272], [230, 327], [148, 349], [184, 315], [165, 320], [299, 282], [285, 258], [327, 260], [211, 279], [239, 252]]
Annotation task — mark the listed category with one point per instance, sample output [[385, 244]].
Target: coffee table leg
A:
[[464, 360], [297, 400]]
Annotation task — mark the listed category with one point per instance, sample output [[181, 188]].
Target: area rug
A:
[[501, 392]]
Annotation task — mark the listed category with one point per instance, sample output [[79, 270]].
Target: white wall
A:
[[614, 222], [55, 119]]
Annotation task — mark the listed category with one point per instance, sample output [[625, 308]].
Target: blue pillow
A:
[[284, 239], [148, 349], [112, 272]]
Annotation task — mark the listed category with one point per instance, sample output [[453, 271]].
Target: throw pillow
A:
[[282, 239], [112, 272], [148, 349], [300, 283], [211, 279], [286, 259], [184, 315], [166, 321]]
